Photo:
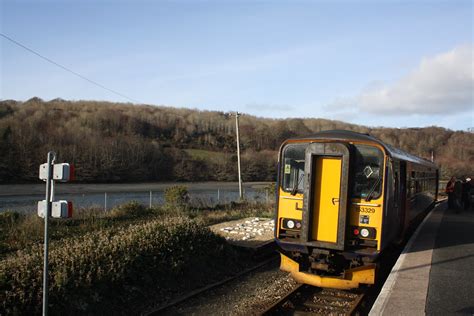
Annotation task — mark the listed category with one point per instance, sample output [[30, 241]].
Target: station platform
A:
[[434, 275]]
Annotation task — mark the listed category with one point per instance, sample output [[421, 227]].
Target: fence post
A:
[[151, 199], [105, 202], [218, 195]]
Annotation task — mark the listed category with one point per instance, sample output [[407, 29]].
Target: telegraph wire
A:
[[237, 114], [67, 69]]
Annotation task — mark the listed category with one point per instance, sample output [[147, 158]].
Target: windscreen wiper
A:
[[372, 189], [297, 184]]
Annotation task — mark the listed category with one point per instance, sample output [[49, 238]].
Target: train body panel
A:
[[343, 197], [352, 278]]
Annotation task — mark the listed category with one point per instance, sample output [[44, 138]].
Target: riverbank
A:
[[24, 197], [84, 188]]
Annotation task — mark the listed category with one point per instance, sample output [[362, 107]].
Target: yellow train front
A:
[[342, 198]]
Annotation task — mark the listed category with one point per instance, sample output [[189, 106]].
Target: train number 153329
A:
[[367, 210]]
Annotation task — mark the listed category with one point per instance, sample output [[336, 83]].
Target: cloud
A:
[[442, 84]]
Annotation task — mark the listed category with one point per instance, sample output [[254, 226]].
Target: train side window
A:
[[397, 189], [412, 187], [418, 181], [368, 172], [293, 168]]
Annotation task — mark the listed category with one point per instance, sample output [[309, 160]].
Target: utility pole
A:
[[238, 153]]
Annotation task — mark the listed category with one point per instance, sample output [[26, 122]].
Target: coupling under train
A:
[[342, 199]]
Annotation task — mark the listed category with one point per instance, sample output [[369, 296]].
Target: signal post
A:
[[51, 172]]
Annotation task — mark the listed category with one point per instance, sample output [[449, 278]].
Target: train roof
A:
[[344, 135]]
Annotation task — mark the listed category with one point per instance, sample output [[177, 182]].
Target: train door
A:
[[325, 194]]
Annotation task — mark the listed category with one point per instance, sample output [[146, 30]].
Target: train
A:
[[342, 199]]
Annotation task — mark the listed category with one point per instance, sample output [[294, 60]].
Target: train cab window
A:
[[293, 168], [368, 172], [396, 177]]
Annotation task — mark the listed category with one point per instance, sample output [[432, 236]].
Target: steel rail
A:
[[273, 309]]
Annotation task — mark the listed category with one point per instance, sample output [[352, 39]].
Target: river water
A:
[[24, 197]]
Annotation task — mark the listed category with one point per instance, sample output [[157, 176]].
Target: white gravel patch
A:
[[247, 229]]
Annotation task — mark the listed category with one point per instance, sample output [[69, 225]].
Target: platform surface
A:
[[435, 273]]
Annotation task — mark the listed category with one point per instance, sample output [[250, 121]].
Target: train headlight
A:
[[292, 224], [364, 232]]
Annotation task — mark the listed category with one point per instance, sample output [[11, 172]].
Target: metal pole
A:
[[238, 153], [151, 198], [52, 190], [218, 196], [105, 201], [49, 193]]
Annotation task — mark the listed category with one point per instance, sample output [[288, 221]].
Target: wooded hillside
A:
[[112, 142]]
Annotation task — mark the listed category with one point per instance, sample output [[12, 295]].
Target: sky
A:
[[374, 63]]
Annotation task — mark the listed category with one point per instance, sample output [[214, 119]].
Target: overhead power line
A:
[[67, 69]]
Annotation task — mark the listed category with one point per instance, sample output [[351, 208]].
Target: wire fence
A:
[[109, 200]]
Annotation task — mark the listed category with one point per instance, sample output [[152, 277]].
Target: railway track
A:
[[163, 309], [309, 300], [304, 299]]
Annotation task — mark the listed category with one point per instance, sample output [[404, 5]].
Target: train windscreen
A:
[[368, 169], [293, 168], [367, 165]]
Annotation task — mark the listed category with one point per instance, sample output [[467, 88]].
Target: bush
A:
[[91, 271], [8, 218], [177, 196], [129, 210], [17, 231]]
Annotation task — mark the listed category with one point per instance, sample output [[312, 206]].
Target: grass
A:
[[115, 261], [20, 231]]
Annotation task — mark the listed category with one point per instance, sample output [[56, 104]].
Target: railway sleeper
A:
[[324, 306], [333, 297]]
